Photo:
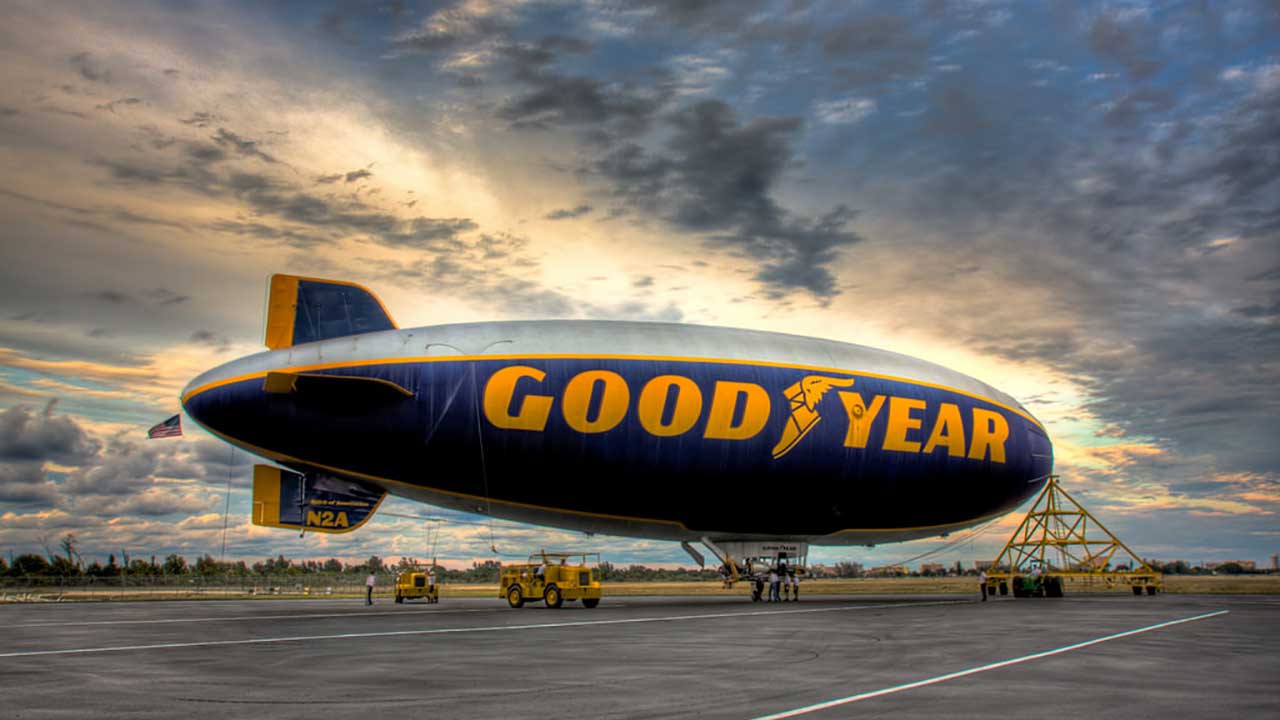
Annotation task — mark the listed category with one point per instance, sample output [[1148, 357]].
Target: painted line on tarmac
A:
[[981, 668], [161, 621], [476, 629]]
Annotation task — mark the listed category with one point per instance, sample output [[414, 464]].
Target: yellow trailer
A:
[[553, 578]]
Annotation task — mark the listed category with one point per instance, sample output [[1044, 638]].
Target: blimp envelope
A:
[[642, 429]]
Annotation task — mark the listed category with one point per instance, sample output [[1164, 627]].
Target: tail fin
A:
[[320, 503], [302, 310]]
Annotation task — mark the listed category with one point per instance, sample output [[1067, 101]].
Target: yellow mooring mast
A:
[[1059, 540]]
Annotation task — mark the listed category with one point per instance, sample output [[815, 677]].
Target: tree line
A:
[[67, 561]]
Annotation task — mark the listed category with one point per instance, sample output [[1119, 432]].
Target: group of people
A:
[[784, 585]]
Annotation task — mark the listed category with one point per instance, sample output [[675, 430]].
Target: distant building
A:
[[1248, 565], [981, 565], [821, 571], [888, 571], [1275, 562], [933, 569]]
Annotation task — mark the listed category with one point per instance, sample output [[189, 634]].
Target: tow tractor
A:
[[412, 584], [553, 578]]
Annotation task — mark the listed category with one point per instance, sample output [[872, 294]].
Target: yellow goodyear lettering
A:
[[901, 422], [861, 416], [653, 404], [948, 431], [724, 406], [672, 405], [327, 519], [499, 393], [990, 431], [615, 398]]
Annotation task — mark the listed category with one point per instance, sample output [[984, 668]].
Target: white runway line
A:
[[162, 621], [981, 668], [485, 628], [304, 616]]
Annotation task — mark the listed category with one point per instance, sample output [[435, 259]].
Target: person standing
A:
[[773, 585], [795, 586], [982, 584], [369, 582], [431, 587]]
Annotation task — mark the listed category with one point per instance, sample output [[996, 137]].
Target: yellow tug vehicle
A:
[[553, 578], [412, 584]]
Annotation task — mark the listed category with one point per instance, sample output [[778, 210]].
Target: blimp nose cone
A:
[[206, 398]]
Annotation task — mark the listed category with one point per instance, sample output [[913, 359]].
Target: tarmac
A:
[[1168, 656]]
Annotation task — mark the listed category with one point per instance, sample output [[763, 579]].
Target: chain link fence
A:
[[53, 588]]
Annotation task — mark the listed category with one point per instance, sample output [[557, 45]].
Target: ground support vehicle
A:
[[553, 578], [414, 584]]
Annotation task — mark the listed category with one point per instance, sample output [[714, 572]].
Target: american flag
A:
[[169, 428]]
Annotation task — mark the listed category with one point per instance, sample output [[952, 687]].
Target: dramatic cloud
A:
[[248, 148], [717, 176], [1073, 201], [568, 213], [29, 434]]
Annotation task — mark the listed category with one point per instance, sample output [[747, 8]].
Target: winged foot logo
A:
[[804, 397]]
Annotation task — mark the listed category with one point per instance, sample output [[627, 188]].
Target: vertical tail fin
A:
[[302, 310]]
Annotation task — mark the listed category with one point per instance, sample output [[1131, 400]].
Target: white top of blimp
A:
[[602, 338]]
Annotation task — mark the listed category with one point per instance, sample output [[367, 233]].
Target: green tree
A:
[[71, 548], [373, 564], [29, 564], [333, 565], [207, 566], [63, 568], [175, 564]]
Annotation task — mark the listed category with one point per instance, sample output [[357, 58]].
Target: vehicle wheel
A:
[[515, 598], [553, 597], [1151, 589], [1137, 590], [1004, 588], [590, 602], [399, 600], [1053, 587]]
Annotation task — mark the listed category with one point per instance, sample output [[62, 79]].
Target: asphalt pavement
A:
[[1169, 656]]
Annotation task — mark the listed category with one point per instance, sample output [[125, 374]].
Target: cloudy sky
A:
[[1077, 203]]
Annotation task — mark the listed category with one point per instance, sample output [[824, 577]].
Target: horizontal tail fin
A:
[[302, 310], [320, 503]]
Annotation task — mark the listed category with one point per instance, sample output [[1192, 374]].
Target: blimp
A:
[[741, 440]]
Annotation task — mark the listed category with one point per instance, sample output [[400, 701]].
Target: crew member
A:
[[795, 586], [773, 585], [431, 587], [369, 582], [982, 584]]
